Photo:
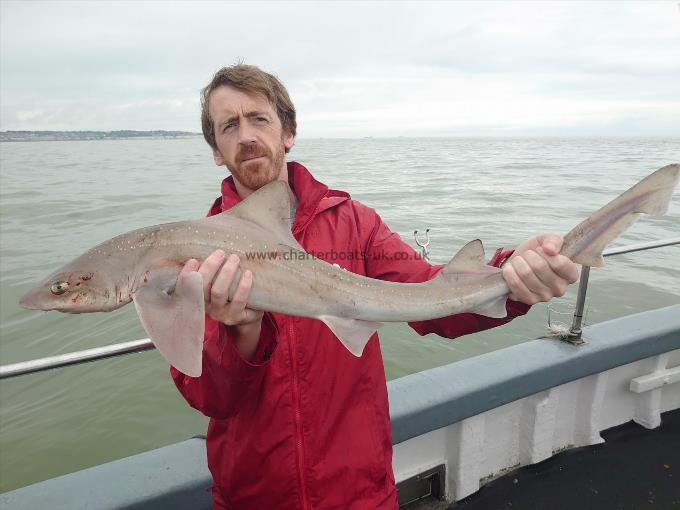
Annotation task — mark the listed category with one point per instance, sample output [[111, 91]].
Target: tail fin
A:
[[584, 244]]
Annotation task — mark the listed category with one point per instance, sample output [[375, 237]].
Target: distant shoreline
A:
[[68, 136], [61, 136]]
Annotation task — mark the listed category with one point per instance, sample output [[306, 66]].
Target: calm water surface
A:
[[60, 198]]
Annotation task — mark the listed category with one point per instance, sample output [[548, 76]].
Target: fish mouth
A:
[[35, 299], [32, 301], [40, 299]]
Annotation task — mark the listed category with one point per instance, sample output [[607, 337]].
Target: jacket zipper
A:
[[298, 419], [296, 393]]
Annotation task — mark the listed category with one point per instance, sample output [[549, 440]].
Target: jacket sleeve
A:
[[390, 258], [227, 378]]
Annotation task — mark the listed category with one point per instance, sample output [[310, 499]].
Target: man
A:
[[297, 422]]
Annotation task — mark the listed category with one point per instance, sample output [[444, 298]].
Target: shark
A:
[[144, 266]]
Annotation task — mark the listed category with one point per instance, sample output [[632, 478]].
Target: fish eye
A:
[[58, 288]]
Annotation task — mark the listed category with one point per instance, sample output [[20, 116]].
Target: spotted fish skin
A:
[[144, 265]]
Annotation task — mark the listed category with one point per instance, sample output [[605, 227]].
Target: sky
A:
[[352, 69]]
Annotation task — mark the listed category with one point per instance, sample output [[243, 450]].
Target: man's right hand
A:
[[218, 275]]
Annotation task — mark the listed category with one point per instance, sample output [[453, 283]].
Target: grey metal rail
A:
[[109, 351], [574, 335], [641, 246], [74, 358]]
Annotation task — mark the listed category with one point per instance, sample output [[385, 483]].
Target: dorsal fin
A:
[[470, 258], [468, 265], [269, 208]]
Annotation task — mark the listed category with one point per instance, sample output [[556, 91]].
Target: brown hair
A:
[[254, 80]]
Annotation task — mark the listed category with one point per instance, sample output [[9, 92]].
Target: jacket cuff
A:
[[265, 346], [514, 308], [500, 256]]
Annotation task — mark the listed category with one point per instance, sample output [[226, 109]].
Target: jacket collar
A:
[[313, 196]]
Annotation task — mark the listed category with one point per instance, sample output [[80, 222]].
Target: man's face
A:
[[250, 139]]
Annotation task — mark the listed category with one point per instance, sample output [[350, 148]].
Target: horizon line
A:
[[357, 136]]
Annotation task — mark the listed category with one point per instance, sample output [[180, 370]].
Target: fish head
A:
[[76, 290]]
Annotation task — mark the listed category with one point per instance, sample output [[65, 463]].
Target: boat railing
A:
[[119, 349], [574, 335]]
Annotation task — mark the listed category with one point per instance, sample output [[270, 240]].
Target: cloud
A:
[[29, 115], [353, 69]]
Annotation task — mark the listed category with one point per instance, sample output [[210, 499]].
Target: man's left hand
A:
[[536, 272]]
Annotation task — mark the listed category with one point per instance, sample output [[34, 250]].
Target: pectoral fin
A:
[[354, 334], [173, 316]]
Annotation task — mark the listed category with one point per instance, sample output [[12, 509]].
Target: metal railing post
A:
[[576, 330]]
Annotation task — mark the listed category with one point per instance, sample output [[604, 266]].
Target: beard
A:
[[255, 174]]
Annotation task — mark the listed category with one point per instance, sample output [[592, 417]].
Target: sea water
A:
[[58, 199]]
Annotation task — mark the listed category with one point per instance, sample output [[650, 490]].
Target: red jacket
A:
[[305, 424]]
